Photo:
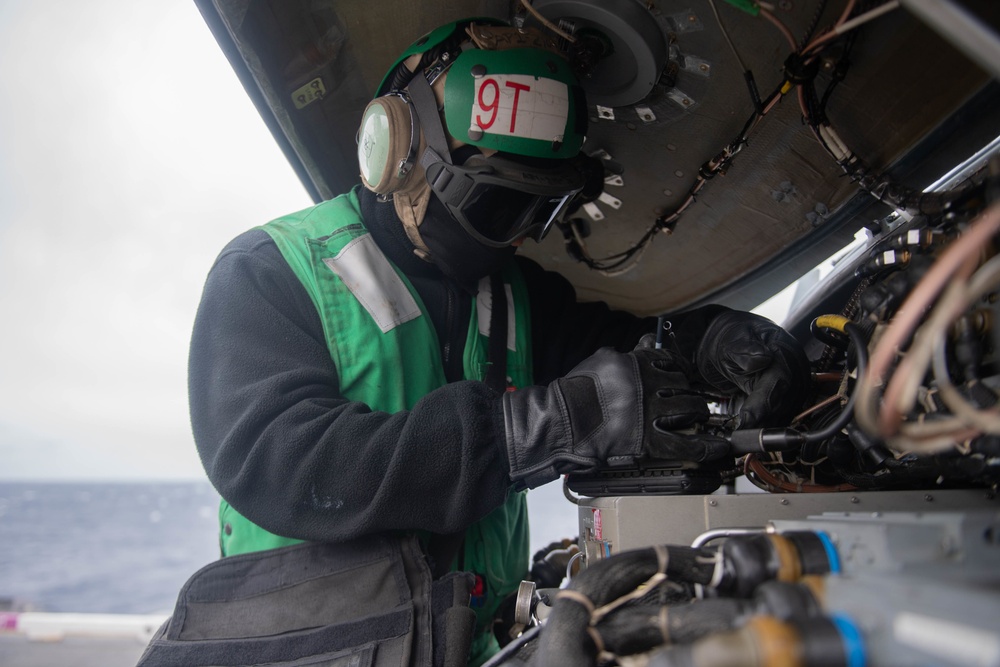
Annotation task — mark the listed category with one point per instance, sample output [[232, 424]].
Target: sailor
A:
[[384, 361]]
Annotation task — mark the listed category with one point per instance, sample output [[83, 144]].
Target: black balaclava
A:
[[386, 228], [458, 255], [453, 252]]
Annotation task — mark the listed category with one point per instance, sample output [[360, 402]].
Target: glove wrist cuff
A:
[[536, 428], [591, 416]]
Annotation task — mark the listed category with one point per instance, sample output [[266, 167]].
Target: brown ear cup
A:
[[392, 139]]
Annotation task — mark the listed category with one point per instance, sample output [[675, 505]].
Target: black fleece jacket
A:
[[285, 449]]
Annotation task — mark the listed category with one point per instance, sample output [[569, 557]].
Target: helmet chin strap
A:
[[429, 117], [411, 204]]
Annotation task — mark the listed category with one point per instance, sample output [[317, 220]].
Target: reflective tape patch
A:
[[365, 271], [484, 310], [518, 105]]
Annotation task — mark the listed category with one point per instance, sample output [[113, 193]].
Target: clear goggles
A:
[[499, 200]]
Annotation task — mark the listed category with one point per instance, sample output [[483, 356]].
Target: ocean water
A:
[[127, 548], [103, 548]]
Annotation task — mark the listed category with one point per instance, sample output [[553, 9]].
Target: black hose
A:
[[845, 416], [872, 450], [508, 651], [632, 630], [566, 640], [750, 440], [609, 579], [828, 337], [786, 601], [639, 629]]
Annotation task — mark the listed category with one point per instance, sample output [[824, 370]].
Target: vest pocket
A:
[[297, 649], [365, 603]]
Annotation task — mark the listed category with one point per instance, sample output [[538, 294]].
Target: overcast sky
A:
[[129, 156]]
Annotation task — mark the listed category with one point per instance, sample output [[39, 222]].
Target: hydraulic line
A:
[[511, 649], [568, 638], [737, 568], [766, 641], [633, 630], [640, 629]]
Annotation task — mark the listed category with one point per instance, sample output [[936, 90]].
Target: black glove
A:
[[745, 353], [612, 409]]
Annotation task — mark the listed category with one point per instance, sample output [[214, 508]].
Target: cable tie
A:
[[577, 597], [658, 577], [662, 557], [717, 572], [595, 637], [664, 623]]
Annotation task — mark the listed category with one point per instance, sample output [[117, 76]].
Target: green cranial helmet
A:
[[478, 84], [522, 101], [505, 89]]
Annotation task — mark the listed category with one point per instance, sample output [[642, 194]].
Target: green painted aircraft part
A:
[[748, 6]]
